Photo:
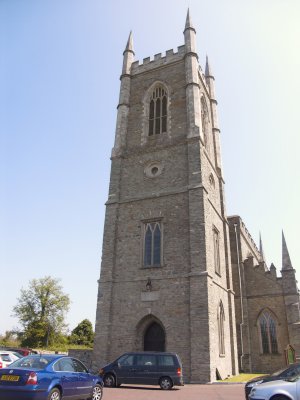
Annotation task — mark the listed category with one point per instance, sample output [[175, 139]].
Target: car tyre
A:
[[97, 392], [279, 397], [109, 380], [165, 383], [54, 394]]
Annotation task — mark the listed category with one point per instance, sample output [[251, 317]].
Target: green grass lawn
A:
[[240, 378]]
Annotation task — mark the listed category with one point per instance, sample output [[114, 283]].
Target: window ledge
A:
[[152, 266]]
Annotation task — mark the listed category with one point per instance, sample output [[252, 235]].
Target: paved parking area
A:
[[187, 392]]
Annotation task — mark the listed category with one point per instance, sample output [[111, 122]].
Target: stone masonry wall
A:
[[185, 197]]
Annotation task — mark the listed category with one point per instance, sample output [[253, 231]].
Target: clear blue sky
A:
[[60, 62]]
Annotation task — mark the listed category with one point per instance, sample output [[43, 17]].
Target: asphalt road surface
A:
[[187, 392]]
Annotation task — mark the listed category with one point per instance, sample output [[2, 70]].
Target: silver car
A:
[[287, 389], [7, 357]]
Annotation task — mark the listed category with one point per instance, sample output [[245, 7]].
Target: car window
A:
[[166, 360], [126, 360], [6, 357], [64, 364], [29, 361], [78, 366], [146, 359], [57, 366]]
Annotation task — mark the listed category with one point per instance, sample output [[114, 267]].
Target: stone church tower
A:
[[166, 280]]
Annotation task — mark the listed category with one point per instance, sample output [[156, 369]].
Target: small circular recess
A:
[[153, 169]]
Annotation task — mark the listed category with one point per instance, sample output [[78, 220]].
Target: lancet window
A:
[[268, 335], [204, 121], [152, 244], [158, 106], [221, 323], [216, 239]]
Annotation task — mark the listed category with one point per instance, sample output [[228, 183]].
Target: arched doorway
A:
[[154, 338]]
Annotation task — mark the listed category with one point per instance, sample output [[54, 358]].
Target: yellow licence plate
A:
[[13, 378]]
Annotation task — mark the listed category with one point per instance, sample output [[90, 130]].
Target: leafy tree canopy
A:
[[10, 338], [83, 333], [41, 311]]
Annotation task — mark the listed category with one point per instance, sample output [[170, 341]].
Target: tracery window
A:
[[216, 239], [152, 244], [221, 323], [158, 111], [204, 121], [268, 335]]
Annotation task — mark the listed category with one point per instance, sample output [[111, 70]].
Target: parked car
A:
[[7, 357], [287, 389], [22, 351], [287, 372], [49, 377], [147, 368], [17, 355]]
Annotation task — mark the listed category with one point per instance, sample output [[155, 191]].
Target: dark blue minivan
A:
[[145, 368]]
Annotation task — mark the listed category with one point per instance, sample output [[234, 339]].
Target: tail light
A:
[[1, 365], [179, 371], [32, 379]]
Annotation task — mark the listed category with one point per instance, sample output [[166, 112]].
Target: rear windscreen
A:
[[32, 362], [5, 357]]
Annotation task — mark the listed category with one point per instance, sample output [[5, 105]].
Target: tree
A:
[[41, 311], [10, 338], [83, 333]]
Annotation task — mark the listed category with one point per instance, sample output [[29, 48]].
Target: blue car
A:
[[49, 377]]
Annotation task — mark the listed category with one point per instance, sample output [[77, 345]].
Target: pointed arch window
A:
[[152, 244], [221, 323], [158, 111], [204, 121], [268, 333], [216, 239]]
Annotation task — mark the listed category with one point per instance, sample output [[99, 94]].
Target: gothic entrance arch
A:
[[154, 338]]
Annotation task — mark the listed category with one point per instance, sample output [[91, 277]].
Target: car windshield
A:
[[293, 378], [279, 372], [32, 362]]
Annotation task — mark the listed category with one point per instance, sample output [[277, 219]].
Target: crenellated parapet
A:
[[158, 60], [236, 219]]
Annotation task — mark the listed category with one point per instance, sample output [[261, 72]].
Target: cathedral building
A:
[[177, 273]]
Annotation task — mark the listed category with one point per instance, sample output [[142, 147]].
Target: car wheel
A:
[[97, 392], [54, 394], [279, 397], [165, 383], [109, 380]]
